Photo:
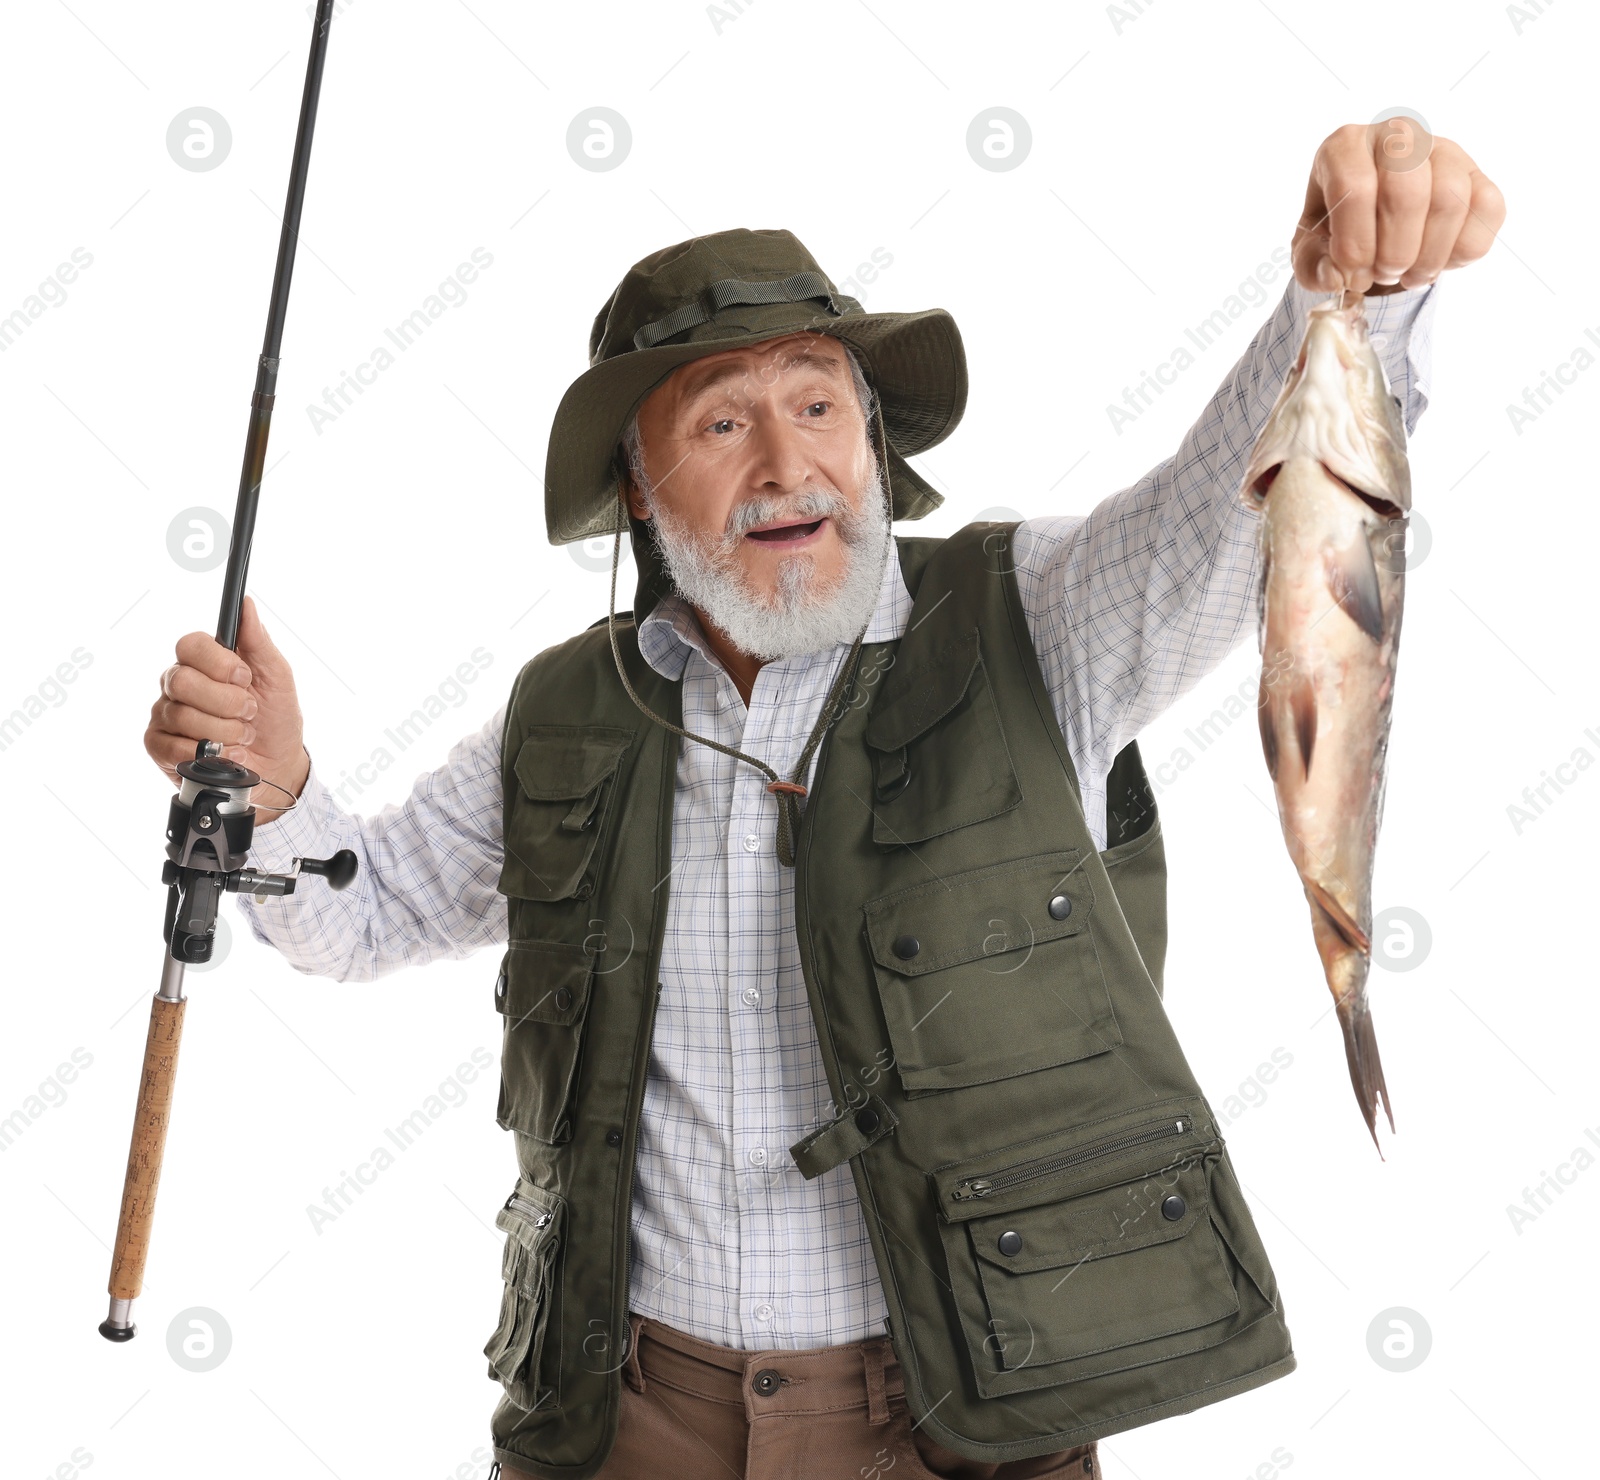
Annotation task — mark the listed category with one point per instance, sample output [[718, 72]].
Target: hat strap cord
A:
[[788, 792]]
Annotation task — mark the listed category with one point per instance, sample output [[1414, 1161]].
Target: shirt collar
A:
[[672, 631]]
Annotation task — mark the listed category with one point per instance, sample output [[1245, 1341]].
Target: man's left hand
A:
[[1389, 206]]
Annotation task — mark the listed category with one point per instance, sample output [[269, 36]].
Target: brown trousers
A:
[[693, 1410]]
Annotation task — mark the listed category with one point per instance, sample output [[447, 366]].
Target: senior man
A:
[[852, 1136]]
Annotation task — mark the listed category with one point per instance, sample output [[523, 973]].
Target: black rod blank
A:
[[255, 442]]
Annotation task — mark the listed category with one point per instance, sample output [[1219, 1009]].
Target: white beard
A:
[[802, 616]]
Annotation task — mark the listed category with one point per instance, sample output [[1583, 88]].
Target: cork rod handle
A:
[[148, 1145]]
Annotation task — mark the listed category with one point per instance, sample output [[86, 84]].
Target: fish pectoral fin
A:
[[1339, 917], [1303, 705], [1269, 731], [1353, 579]]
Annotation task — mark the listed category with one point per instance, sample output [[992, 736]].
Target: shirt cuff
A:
[[302, 831]]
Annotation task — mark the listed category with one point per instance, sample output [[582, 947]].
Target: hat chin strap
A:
[[788, 793]]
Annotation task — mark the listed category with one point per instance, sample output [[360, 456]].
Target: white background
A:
[[1168, 159]]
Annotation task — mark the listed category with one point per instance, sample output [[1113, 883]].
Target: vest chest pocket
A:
[[990, 973], [566, 779], [939, 756], [543, 994], [1091, 1251], [533, 1221]]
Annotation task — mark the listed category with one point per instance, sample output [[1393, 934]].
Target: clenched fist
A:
[[1389, 206], [244, 699]]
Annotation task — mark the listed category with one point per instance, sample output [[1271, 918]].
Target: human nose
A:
[[780, 458]]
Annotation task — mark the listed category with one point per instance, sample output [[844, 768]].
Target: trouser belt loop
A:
[[873, 1355], [631, 1370]]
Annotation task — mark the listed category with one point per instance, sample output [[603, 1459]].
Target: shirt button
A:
[[752, 842], [764, 1312], [758, 1156], [751, 996]]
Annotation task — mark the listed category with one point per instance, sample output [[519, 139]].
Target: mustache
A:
[[806, 504]]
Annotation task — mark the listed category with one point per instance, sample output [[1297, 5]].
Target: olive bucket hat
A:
[[718, 292]]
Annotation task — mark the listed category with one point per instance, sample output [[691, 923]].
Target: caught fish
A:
[[1329, 478]]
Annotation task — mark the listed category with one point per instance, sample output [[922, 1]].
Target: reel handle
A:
[[339, 871]]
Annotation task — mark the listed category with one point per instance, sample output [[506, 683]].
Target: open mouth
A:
[[786, 534]]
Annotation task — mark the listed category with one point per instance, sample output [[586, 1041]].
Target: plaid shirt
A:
[[1128, 607]]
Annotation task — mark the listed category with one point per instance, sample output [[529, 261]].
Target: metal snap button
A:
[[906, 946], [767, 1381], [1060, 907], [563, 998], [613, 1137], [1173, 1208], [1010, 1242], [867, 1120]]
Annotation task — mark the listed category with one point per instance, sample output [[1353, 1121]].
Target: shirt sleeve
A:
[[426, 885], [1131, 605]]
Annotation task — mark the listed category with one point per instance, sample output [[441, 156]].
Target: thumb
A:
[[267, 665]]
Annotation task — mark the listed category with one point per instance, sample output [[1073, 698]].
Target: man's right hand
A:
[[244, 699]]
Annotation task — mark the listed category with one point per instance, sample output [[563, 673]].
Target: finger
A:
[[1309, 249], [1447, 212], [195, 724], [201, 650], [1486, 213], [258, 649], [1350, 186], [1403, 197], [191, 686], [168, 751]]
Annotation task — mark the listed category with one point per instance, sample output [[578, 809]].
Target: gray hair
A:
[[633, 446]]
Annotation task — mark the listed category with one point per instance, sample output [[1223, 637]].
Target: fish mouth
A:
[[787, 531], [1383, 507]]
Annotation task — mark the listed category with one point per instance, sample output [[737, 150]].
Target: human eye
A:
[[826, 406]]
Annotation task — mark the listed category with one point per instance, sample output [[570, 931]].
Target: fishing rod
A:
[[211, 821]]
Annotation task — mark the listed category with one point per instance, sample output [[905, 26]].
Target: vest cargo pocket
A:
[[532, 1221], [939, 756], [566, 776], [1092, 1251], [991, 973], [543, 994]]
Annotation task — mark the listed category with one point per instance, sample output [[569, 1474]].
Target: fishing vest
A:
[[1062, 1242]]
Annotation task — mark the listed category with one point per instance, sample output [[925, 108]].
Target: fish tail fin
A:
[[1366, 1068]]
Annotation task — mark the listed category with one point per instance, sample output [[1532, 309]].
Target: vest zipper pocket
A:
[[532, 1220], [982, 1186], [541, 1218], [1092, 1251]]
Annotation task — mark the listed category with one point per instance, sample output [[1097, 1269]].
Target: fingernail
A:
[[249, 709], [241, 674], [248, 735]]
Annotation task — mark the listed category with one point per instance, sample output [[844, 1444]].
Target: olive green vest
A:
[[1061, 1239]]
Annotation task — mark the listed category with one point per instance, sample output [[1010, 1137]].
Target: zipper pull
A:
[[971, 1187]]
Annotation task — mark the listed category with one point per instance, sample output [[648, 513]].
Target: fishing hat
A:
[[719, 292]]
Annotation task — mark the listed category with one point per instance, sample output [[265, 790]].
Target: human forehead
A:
[[763, 361]]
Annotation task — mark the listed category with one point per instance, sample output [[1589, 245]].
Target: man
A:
[[833, 893]]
